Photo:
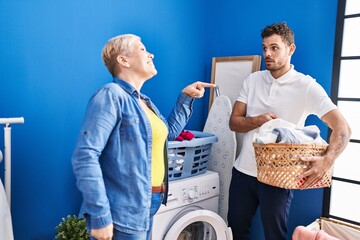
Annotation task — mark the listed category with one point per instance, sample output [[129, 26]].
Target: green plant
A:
[[72, 228]]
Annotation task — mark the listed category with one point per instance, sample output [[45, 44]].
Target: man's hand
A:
[[318, 167]]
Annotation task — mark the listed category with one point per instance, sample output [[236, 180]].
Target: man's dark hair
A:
[[280, 29]]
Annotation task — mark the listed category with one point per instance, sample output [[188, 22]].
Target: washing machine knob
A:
[[191, 194]]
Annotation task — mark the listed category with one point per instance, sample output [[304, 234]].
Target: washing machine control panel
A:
[[196, 193], [191, 190], [189, 195]]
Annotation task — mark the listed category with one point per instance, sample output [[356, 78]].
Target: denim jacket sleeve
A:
[[180, 115], [100, 119]]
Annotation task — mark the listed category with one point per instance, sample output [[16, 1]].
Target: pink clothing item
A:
[[303, 233], [185, 135]]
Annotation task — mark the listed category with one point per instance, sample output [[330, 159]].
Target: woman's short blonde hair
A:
[[119, 45]]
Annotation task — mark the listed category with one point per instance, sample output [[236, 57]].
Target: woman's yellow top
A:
[[159, 135]]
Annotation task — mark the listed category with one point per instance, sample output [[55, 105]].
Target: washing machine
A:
[[191, 211]]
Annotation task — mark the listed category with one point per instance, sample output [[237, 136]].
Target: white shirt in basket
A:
[[293, 97]]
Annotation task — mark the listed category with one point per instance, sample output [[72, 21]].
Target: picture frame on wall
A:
[[229, 73]]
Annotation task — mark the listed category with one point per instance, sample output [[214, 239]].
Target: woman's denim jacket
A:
[[112, 157]]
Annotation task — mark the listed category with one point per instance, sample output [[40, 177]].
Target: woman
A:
[[120, 160]]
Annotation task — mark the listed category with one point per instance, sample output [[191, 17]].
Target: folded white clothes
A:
[[281, 131]]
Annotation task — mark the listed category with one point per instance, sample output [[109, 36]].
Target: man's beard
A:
[[274, 68]]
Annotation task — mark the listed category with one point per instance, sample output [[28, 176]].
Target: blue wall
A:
[[50, 65]]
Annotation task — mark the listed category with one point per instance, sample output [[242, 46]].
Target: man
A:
[[277, 92]]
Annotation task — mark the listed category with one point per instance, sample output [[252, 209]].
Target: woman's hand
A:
[[105, 233], [197, 89]]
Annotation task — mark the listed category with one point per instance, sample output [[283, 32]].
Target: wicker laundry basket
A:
[[278, 164]]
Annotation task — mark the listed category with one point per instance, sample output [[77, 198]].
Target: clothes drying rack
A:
[[7, 152]]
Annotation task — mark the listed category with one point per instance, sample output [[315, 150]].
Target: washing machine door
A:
[[199, 225]]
